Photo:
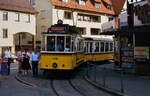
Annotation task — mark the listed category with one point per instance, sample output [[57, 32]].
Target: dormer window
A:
[[109, 7], [97, 5], [82, 2], [66, 1]]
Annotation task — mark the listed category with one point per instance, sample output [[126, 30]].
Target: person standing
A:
[[20, 59], [4, 67], [25, 63], [34, 58], [8, 56]]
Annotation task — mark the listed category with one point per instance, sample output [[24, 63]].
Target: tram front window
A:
[[50, 43], [60, 43]]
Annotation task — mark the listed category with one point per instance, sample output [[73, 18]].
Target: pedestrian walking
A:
[[25, 63], [4, 67], [8, 56], [20, 59], [34, 58]]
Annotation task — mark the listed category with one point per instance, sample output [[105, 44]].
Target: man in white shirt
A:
[[8, 56], [34, 58]]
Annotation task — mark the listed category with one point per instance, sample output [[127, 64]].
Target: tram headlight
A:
[[54, 65]]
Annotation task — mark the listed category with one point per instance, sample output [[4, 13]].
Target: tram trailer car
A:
[[98, 49], [62, 48]]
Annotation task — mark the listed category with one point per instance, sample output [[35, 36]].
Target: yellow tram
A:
[[98, 49], [62, 48]]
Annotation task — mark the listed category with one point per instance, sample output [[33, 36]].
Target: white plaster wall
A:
[[47, 6], [15, 27], [59, 14]]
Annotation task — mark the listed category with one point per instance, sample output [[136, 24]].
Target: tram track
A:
[[53, 88], [69, 90], [75, 88]]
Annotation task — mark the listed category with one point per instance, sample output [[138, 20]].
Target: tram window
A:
[[111, 46], [78, 46], [96, 46], [102, 46], [50, 43], [60, 43], [73, 44], [81, 45], [91, 46], [68, 43], [106, 46], [85, 47]]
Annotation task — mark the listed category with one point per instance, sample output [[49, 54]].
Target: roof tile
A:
[[17, 5], [116, 6]]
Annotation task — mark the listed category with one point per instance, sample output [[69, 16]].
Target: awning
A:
[[128, 31]]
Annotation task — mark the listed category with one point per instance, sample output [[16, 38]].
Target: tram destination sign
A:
[[57, 28]]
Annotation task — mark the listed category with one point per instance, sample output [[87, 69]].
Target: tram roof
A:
[[97, 39]]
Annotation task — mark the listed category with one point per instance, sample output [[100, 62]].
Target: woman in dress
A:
[[4, 67], [25, 64]]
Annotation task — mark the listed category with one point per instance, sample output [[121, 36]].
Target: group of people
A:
[[25, 60]]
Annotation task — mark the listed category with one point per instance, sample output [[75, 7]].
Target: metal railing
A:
[[106, 76]]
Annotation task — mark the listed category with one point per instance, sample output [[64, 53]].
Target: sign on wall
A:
[[141, 52]]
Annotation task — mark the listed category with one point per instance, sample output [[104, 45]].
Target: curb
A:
[[108, 90], [24, 82]]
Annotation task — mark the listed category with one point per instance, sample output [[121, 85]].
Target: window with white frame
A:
[[82, 2], [82, 30], [66, 1], [97, 5], [68, 15], [43, 14], [5, 33], [110, 18], [17, 17], [95, 31], [27, 18], [5, 16], [89, 18]]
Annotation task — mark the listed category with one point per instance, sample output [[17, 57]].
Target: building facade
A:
[[17, 18], [87, 15], [132, 38]]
